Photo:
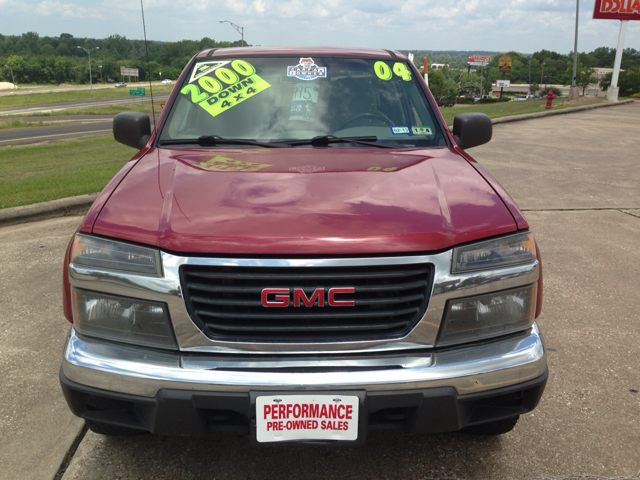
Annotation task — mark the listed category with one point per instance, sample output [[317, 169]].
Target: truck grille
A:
[[225, 302]]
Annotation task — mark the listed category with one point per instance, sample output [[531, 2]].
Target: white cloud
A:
[[523, 25]]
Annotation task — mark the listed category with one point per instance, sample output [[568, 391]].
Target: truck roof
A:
[[303, 51]]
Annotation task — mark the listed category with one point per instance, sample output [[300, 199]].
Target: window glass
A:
[[293, 98]]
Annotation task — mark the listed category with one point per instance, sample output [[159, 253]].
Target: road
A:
[[52, 89], [578, 180], [74, 129], [56, 107]]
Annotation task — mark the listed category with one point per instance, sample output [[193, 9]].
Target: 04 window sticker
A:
[[216, 88], [385, 72]]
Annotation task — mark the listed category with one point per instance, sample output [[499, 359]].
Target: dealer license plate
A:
[[281, 418]]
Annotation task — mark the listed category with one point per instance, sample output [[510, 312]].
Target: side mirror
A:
[[132, 129], [472, 129]]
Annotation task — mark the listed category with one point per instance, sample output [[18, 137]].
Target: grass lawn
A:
[[74, 96], [497, 110], [112, 109], [35, 174], [21, 124]]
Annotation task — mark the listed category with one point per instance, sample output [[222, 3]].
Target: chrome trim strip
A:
[[190, 338], [139, 371]]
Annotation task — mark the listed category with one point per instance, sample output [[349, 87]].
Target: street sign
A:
[[139, 91], [503, 83], [505, 63], [481, 60], [617, 9]]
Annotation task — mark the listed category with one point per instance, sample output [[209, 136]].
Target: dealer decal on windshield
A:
[[226, 164], [307, 70], [218, 88]]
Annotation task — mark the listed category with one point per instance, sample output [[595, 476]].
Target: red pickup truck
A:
[[302, 251]]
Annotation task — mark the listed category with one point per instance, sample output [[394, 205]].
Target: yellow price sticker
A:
[[224, 88], [384, 72]]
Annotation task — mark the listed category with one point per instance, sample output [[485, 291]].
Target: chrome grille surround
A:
[[191, 339], [226, 304]]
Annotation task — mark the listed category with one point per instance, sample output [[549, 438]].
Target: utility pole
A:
[[529, 70], [542, 73], [574, 93], [237, 27], [88, 53]]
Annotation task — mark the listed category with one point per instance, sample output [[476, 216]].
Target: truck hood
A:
[[303, 201]]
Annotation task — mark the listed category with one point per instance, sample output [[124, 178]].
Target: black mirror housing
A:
[[472, 129], [132, 129]]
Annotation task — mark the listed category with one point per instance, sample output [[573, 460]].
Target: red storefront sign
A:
[[617, 9]]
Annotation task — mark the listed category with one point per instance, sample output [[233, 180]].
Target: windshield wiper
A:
[[325, 140], [214, 140]]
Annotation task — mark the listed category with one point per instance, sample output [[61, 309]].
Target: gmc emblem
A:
[[281, 297]]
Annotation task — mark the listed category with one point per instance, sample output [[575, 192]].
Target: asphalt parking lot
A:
[[577, 177]]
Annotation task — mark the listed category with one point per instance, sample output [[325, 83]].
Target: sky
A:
[[525, 26]]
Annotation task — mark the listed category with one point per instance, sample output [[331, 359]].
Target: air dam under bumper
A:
[[177, 394]]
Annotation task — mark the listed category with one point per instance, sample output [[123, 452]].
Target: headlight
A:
[[89, 251], [122, 319], [499, 253], [485, 316]]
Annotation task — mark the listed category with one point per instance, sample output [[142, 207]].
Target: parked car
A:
[[445, 102], [477, 98], [120, 84], [302, 251], [520, 98], [166, 81], [534, 96]]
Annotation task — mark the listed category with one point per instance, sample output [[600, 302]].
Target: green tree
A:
[[14, 66], [469, 88], [585, 76]]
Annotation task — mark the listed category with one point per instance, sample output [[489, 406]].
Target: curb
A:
[[39, 211], [563, 111], [82, 203]]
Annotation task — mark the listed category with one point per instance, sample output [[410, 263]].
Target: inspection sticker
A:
[[421, 130], [307, 70], [400, 130], [306, 417], [225, 164]]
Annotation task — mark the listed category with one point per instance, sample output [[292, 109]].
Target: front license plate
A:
[[281, 418]]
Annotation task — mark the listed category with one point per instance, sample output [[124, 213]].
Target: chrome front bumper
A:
[[144, 372]]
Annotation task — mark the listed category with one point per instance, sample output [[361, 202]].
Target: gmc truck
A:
[[302, 251]]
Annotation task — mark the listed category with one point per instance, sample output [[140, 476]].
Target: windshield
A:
[[284, 99]]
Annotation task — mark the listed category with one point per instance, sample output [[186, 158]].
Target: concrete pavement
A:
[[36, 428], [578, 179]]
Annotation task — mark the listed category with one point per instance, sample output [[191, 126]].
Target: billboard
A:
[[129, 72], [505, 63], [617, 9], [480, 59]]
